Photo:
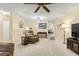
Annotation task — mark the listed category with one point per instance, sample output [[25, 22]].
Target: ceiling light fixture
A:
[[4, 12]]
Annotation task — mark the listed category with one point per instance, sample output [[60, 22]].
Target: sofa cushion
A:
[[4, 54]]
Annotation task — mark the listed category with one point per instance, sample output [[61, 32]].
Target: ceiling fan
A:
[[43, 5]]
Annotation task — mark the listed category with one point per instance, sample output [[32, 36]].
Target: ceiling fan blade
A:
[[37, 9], [46, 8]]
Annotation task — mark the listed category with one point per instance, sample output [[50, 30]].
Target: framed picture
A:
[[42, 25], [21, 23]]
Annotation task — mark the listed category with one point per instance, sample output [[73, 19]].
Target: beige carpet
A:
[[45, 47]]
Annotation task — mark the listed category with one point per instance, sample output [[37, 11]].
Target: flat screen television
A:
[[75, 30]]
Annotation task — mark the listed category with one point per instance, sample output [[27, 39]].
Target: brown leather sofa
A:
[[34, 39], [42, 34], [24, 40], [29, 39], [6, 49]]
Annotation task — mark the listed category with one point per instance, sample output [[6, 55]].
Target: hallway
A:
[[44, 47]]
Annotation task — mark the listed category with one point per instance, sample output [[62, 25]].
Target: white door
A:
[[6, 30]]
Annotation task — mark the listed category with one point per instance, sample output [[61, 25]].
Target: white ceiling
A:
[[27, 10]]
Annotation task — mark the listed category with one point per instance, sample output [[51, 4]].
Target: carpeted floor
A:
[[45, 47]]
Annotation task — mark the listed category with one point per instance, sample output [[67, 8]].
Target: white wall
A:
[[69, 18], [35, 25], [17, 32]]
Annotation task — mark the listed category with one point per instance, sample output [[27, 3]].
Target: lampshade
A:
[[65, 25], [27, 28]]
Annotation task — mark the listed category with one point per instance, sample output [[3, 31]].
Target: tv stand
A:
[[73, 44]]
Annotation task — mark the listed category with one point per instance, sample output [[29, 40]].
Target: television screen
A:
[[75, 30]]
